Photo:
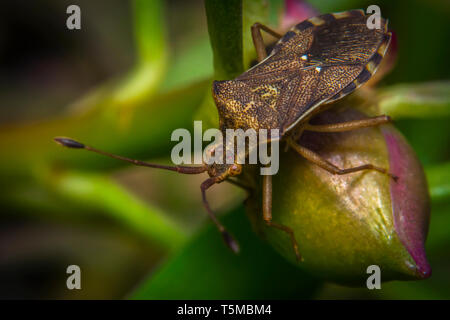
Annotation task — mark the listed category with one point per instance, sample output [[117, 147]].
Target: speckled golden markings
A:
[[318, 61], [369, 69], [341, 15], [293, 30], [317, 21], [249, 105]]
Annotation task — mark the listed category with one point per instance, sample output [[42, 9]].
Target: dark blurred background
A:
[[46, 70]]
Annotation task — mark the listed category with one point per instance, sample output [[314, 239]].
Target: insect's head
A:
[[220, 170]]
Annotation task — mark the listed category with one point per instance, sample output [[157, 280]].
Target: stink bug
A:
[[318, 61]]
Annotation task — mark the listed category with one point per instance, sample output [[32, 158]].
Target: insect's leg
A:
[[349, 125], [294, 135], [258, 41], [227, 237], [324, 164], [267, 214]]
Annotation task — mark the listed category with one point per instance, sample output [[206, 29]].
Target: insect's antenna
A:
[[70, 143]]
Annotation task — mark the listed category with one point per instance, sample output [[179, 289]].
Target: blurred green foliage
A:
[[166, 89], [202, 270]]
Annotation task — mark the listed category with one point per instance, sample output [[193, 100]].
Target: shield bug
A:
[[318, 61]]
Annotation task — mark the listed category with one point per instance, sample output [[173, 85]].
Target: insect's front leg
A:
[[258, 41], [227, 237], [324, 164], [267, 215]]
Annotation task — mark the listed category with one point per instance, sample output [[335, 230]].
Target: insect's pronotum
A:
[[318, 61]]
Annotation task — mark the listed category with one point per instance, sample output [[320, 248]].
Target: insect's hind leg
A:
[[258, 41], [324, 164], [349, 125], [267, 215]]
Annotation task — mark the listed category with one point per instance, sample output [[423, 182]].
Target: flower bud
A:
[[345, 223], [295, 12]]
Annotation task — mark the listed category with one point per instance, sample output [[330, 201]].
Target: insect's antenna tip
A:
[[230, 241], [69, 143]]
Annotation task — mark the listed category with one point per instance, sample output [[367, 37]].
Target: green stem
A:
[[225, 33], [149, 30], [151, 50], [253, 11]]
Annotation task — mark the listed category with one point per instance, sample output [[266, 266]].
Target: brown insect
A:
[[318, 61]]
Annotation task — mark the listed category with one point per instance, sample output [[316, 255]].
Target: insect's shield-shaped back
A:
[[344, 223]]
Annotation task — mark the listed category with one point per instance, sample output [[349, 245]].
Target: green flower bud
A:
[[345, 223]]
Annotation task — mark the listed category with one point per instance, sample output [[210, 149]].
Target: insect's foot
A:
[[298, 256], [394, 177], [384, 171], [230, 241], [390, 175]]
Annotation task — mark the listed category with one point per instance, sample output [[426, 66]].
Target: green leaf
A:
[[149, 30], [28, 147], [253, 11], [189, 65], [151, 64], [423, 100], [439, 181], [206, 269], [98, 191]]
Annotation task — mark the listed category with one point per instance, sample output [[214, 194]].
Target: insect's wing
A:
[[319, 60]]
